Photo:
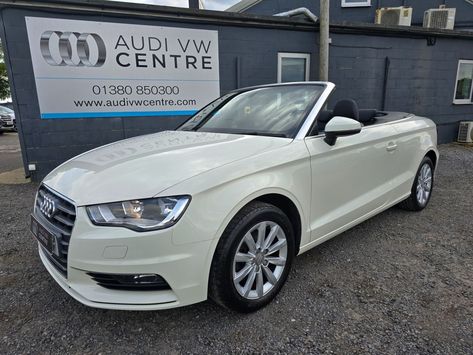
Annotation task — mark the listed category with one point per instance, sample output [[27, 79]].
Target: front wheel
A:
[[253, 258], [421, 188]]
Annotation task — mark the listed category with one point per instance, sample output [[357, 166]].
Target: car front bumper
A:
[[114, 250], [7, 124]]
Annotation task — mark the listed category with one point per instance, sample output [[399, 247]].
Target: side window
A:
[[463, 86], [356, 3], [293, 67]]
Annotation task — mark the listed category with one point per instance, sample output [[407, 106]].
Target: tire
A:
[[225, 286], [421, 181]]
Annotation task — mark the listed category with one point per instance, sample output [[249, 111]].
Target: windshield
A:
[[4, 110], [272, 111]]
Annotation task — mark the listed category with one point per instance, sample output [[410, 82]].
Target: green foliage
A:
[[4, 85]]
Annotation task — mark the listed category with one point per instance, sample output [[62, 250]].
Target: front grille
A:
[[60, 222], [6, 120], [130, 282]]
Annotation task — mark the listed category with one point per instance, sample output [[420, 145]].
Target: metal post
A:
[[193, 4], [324, 39]]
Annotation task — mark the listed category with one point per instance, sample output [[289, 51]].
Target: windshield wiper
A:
[[268, 134]]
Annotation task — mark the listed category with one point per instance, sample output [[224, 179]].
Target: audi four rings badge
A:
[[73, 48], [48, 207]]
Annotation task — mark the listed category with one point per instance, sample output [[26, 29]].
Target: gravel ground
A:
[[398, 283]]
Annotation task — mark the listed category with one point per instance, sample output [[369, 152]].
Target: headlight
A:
[[140, 215]]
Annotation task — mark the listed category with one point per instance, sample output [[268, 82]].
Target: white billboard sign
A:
[[101, 69]]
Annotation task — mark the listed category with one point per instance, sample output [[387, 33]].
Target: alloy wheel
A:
[[260, 260], [424, 184]]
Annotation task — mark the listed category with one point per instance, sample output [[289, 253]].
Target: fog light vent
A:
[[130, 282]]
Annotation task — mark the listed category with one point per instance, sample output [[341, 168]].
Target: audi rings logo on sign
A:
[[73, 49], [48, 207]]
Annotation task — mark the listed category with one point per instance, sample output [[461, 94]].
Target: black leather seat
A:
[[346, 108]]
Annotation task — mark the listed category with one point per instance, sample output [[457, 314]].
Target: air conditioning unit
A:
[[394, 16], [465, 132], [441, 18]]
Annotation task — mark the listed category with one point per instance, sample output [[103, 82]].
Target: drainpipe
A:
[[324, 39], [387, 63], [299, 11]]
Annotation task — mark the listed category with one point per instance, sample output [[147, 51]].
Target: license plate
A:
[[47, 239]]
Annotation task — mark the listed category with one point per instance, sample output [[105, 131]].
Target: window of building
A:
[[356, 3], [463, 86], [293, 67]]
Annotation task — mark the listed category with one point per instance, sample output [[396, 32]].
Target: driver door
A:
[[350, 179]]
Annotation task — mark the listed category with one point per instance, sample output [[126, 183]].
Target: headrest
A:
[[346, 108]]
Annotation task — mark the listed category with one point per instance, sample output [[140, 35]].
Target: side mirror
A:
[[340, 126]]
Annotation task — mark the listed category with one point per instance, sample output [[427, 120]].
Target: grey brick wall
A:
[[421, 80]]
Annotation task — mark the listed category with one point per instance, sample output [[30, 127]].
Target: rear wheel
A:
[[253, 258], [421, 188]]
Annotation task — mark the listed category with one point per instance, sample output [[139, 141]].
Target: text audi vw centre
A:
[[95, 69]]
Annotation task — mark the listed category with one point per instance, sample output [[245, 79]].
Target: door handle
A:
[[391, 147]]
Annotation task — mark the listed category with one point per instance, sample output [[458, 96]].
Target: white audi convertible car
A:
[[220, 207]]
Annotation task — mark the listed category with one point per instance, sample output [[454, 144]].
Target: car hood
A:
[[142, 167]]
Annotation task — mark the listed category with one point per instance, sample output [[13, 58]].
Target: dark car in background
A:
[[7, 120]]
